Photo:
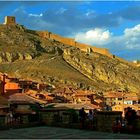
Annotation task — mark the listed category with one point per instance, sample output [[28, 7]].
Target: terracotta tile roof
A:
[[131, 95], [82, 92], [131, 99], [84, 98], [20, 97], [98, 100], [119, 95], [64, 90], [31, 91], [113, 94], [49, 98]]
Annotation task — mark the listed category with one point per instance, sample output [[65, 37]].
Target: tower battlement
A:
[[10, 20]]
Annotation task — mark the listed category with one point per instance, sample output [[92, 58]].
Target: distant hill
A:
[[24, 54]]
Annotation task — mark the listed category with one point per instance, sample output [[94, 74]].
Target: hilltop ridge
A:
[[30, 54]]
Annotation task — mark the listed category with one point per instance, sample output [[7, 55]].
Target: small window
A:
[[119, 99], [12, 19]]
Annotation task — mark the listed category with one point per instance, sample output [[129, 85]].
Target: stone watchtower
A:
[[10, 20]]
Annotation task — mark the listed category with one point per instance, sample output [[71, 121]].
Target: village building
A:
[[12, 87], [27, 84], [131, 98], [120, 100], [82, 96], [42, 96], [9, 85]]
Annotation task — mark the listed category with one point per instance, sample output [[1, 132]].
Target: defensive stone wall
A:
[[86, 48], [67, 41], [72, 42], [44, 34], [56, 37], [81, 46]]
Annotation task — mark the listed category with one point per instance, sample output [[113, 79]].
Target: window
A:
[[119, 99]]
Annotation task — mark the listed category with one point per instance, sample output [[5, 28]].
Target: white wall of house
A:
[[128, 102]]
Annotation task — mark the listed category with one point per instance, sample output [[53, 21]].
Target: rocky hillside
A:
[[24, 54]]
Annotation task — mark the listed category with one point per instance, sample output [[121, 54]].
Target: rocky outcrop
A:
[[11, 57], [100, 68]]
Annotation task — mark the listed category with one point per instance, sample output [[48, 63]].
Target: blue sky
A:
[[111, 24]]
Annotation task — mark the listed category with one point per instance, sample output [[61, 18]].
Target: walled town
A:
[[25, 101]]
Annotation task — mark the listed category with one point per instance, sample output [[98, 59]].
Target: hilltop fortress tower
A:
[[10, 20]]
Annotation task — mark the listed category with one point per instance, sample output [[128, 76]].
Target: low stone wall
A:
[[105, 120], [62, 118]]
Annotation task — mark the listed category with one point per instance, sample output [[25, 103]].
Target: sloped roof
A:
[[72, 106], [84, 98], [83, 92], [20, 97], [112, 94], [98, 100]]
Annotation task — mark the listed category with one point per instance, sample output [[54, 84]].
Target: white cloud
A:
[[36, 15], [135, 31], [61, 11], [90, 13], [131, 37], [96, 36], [101, 37], [126, 46]]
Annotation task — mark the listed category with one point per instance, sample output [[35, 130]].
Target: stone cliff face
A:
[[112, 72], [25, 54]]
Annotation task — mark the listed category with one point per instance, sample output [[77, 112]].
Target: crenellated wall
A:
[[72, 42]]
